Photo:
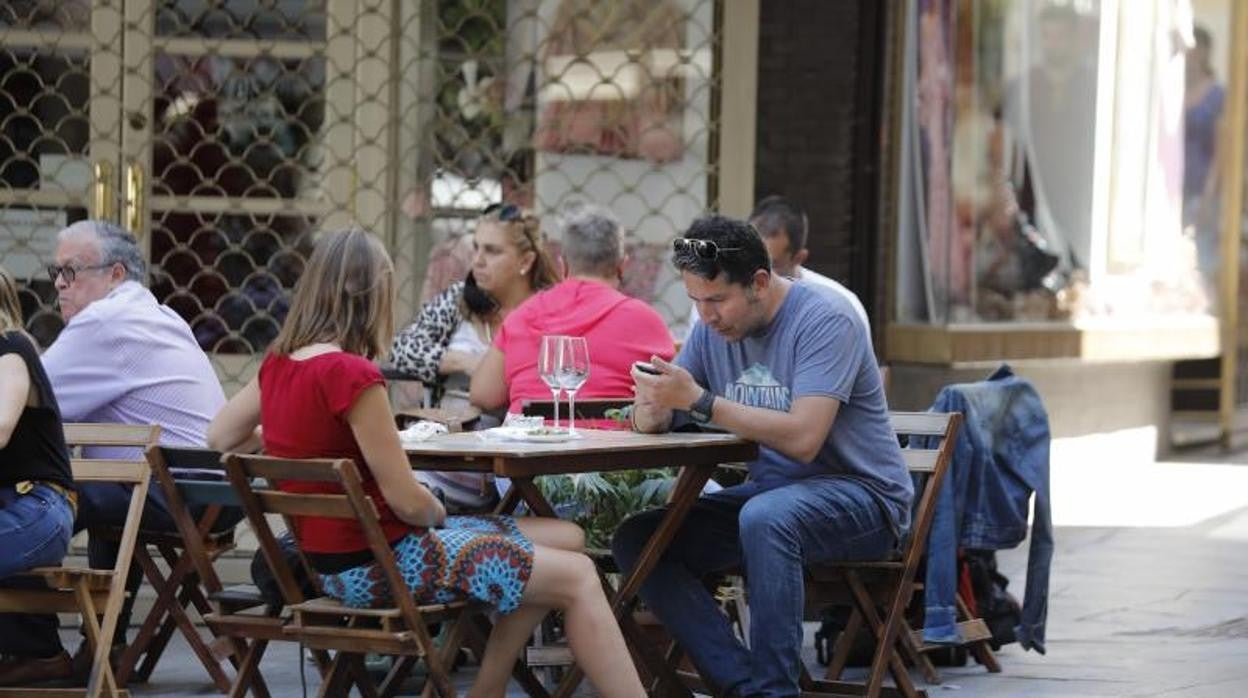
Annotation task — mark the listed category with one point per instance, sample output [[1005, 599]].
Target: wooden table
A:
[[695, 454]]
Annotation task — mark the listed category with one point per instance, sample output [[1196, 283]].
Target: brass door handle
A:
[[134, 203], [103, 198]]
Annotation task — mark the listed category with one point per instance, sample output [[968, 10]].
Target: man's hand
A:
[[672, 389]]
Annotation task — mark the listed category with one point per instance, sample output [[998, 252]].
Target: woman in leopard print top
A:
[[452, 331]]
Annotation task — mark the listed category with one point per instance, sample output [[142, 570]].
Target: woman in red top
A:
[[319, 394]]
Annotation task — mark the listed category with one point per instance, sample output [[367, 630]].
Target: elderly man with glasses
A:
[[121, 358]]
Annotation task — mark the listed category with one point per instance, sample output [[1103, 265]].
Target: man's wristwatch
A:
[[700, 410]]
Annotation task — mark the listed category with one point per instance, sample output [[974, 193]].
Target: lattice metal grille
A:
[[242, 19], [237, 162], [46, 133], [544, 102], [248, 125]]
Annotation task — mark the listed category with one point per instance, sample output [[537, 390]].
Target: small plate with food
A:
[[541, 434]]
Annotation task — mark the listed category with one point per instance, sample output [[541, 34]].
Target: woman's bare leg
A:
[[552, 533], [507, 639], [566, 581]]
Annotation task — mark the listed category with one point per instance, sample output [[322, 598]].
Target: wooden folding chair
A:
[[890, 583], [974, 631], [241, 616], [325, 624], [189, 477], [167, 544], [84, 590]]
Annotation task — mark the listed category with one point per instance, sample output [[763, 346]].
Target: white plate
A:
[[522, 434]]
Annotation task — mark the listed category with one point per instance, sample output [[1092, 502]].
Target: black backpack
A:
[[977, 570], [993, 603]]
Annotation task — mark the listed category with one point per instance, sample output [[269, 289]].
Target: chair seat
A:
[[238, 597], [66, 577], [335, 638], [325, 607], [247, 625], [318, 623], [973, 630], [215, 543]]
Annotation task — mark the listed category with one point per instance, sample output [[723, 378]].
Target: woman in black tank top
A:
[[36, 485]]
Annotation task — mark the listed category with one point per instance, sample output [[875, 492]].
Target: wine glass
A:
[[548, 368], [573, 372]]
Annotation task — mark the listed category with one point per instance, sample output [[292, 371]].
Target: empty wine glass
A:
[[548, 368], [573, 372]]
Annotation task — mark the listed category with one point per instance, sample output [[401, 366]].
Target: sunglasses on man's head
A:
[[706, 249]]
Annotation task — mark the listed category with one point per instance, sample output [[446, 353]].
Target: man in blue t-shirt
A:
[[792, 369]]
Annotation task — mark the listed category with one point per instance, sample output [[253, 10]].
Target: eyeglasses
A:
[[706, 249], [70, 272]]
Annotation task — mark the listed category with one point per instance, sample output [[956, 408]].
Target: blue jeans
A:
[[772, 533], [35, 529], [100, 504]]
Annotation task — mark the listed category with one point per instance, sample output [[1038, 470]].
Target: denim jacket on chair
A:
[[1001, 458]]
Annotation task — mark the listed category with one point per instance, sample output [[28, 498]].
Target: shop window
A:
[[1041, 168]]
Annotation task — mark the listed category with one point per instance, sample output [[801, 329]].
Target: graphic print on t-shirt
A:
[[757, 387]]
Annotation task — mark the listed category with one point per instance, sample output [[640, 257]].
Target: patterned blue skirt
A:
[[485, 558]]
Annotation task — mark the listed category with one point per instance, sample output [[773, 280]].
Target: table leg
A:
[[507, 505], [533, 497], [688, 486]]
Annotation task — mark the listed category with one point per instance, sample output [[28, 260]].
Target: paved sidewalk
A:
[[1149, 591]]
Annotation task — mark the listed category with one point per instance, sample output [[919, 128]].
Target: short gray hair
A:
[[116, 244], [591, 239]]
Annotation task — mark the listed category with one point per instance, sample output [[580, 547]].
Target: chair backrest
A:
[[119, 470], [587, 408], [125, 472], [453, 419], [193, 476], [244, 471], [197, 475], [928, 457], [132, 435]]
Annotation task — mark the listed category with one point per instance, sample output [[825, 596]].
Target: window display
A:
[[1042, 163]]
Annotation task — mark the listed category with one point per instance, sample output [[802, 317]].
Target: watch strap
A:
[[700, 410]]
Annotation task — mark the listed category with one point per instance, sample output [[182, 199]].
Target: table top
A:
[[597, 450]]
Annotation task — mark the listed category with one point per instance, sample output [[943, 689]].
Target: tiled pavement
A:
[[1149, 591]]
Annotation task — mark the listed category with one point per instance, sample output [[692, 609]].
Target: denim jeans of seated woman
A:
[[35, 529], [104, 504], [772, 533]]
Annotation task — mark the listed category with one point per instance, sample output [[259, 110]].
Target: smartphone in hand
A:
[[647, 367]]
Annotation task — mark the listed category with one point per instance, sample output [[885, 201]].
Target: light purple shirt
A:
[[127, 359]]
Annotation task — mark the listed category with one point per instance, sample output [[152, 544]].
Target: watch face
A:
[[700, 411]]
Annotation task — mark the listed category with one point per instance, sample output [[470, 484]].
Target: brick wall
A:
[[818, 129]]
